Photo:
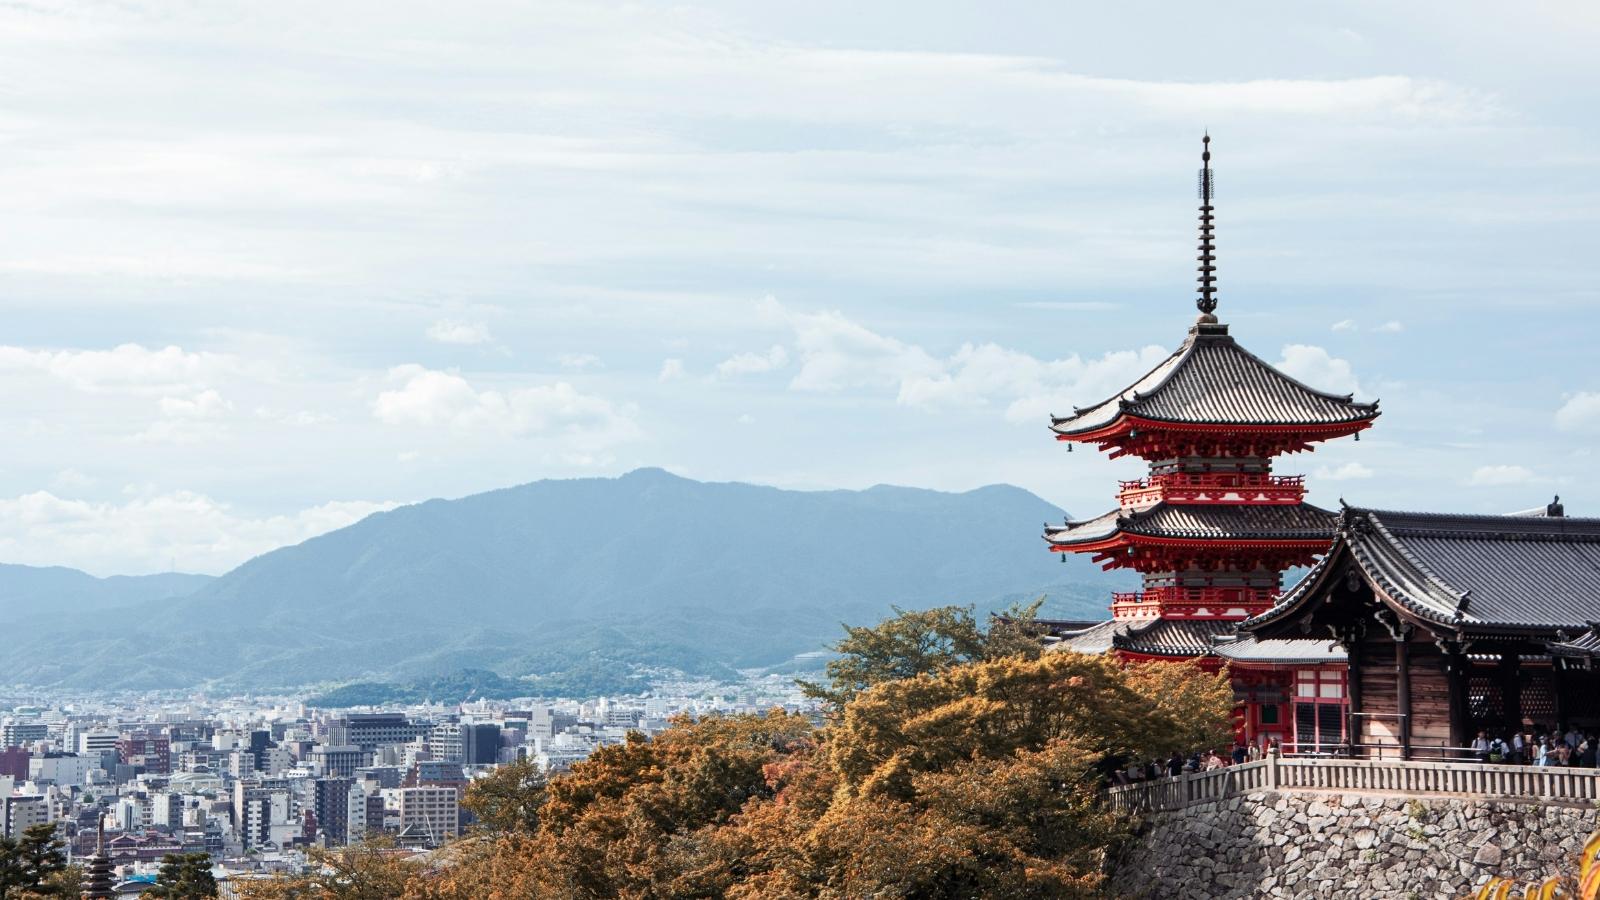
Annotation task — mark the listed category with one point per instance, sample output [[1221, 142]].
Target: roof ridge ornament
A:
[[1207, 301]]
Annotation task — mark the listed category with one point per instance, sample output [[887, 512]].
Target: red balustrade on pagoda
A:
[[1212, 487]]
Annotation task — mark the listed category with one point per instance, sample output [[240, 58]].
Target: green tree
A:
[[508, 799], [184, 876], [923, 642], [32, 865]]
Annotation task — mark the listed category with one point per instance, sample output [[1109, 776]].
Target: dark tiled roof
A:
[[1517, 572], [1065, 628], [1198, 637], [1301, 521], [1156, 637], [1213, 380], [1587, 645], [1246, 648]]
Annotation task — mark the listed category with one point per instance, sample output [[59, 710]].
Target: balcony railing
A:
[[1207, 596], [1213, 487], [1503, 782]]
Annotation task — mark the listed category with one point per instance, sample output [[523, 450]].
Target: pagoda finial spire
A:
[[1207, 302]]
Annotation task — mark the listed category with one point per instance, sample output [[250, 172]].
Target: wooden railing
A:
[[1551, 783]]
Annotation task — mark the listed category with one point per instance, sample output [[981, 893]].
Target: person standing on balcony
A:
[[1480, 746]]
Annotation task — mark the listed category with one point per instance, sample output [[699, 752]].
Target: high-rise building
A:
[[337, 762], [480, 744], [21, 813], [434, 812], [330, 801], [372, 730], [17, 734], [146, 752], [14, 762]]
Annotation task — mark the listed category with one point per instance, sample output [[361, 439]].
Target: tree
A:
[[371, 870], [33, 864], [184, 876], [509, 798], [977, 780], [923, 642]]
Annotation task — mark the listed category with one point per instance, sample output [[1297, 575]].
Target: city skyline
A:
[[269, 271]]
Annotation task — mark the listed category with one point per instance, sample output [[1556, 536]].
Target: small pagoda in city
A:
[[1212, 527]]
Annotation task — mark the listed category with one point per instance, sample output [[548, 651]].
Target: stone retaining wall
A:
[[1347, 845]]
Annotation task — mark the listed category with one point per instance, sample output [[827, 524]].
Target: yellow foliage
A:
[[978, 780]]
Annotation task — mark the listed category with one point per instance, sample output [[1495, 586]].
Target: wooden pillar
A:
[[1558, 685], [1456, 672], [1402, 681], [1511, 690], [1352, 690]]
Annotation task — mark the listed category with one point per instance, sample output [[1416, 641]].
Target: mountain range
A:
[[597, 578]]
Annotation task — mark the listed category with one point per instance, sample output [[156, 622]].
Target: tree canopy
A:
[[33, 864], [923, 642], [184, 876], [959, 762]]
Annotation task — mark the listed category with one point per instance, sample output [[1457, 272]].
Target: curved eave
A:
[[1124, 423], [1121, 538], [1296, 597]]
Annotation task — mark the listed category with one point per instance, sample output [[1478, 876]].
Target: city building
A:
[[145, 752], [432, 811]]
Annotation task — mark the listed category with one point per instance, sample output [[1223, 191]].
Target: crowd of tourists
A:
[[1179, 764], [1534, 747], [1539, 747]]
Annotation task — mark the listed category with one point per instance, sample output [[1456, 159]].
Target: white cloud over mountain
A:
[[152, 533]]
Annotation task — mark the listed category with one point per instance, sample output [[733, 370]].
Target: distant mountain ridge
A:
[[645, 570], [27, 591]]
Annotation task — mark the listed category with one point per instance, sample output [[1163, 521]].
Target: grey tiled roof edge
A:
[[1211, 379], [1505, 573]]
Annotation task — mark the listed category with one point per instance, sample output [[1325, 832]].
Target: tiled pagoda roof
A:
[[1248, 522], [1192, 638], [1212, 380]]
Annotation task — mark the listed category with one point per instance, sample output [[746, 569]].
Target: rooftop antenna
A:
[[1207, 301]]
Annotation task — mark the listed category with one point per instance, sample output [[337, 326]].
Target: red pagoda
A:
[[1212, 528]]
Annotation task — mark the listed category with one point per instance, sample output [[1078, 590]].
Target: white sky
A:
[[268, 267]]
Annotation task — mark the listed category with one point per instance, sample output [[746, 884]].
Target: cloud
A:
[[207, 404], [148, 533], [1581, 412], [127, 367], [577, 362], [1316, 367], [1499, 475], [431, 398], [837, 354], [1345, 325], [753, 363], [450, 331], [1390, 327], [671, 370], [1350, 471], [73, 480], [1070, 305]]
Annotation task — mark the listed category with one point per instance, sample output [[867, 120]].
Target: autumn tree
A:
[[509, 798], [923, 642], [372, 870]]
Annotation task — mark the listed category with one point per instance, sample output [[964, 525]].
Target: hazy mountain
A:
[[648, 569], [56, 591]]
